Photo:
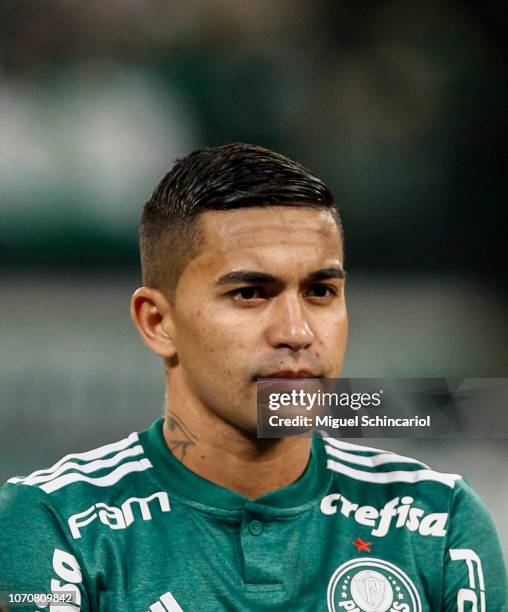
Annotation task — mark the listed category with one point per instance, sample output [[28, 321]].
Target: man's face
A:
[[264, 296]]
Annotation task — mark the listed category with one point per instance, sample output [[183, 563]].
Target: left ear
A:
[[152, 314]]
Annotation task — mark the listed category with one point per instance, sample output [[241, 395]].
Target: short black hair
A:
[[217, 178]]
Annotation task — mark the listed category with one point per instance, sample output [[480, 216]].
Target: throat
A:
[[251, 468]]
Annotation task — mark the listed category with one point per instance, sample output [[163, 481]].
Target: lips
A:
[[290, 374]]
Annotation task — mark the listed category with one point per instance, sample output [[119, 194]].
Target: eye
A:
[[321, 293], [247, 294]]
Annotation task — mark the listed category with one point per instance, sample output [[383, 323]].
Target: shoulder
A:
[[371, 475], [387, 490], [381, 467], [97, 474]]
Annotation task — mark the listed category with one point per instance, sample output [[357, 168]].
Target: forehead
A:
[[269, 236]]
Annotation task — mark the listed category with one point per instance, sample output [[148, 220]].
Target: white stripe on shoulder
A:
[[87, 468], [95, 453], [394, 476], [341, 444], [372, 461], [102, 481]]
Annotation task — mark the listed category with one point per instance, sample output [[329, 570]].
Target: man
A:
[[243, 270]]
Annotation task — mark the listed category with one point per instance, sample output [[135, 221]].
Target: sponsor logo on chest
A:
[[397, 512], [119, 517]]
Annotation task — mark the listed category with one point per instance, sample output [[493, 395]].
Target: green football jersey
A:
[[128, 528]]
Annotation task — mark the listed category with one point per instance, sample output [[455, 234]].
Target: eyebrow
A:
[[253, 276]]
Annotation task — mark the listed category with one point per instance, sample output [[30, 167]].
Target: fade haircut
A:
[[217, 178]]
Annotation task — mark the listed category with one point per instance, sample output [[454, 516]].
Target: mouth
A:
[[291, 374]]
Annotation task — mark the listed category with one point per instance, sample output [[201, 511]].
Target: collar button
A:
[[256, 527]]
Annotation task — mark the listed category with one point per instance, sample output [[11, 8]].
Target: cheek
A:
[[214, 343], [335, 333], [335, 320]]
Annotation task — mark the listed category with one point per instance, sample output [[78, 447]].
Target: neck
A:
[[222, 453]]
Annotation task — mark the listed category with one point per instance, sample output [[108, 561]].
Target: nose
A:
[[289, 327]]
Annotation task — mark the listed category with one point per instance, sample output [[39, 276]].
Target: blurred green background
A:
[[398, 106]]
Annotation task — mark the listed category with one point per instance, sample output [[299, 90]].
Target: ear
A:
[[152, 314]]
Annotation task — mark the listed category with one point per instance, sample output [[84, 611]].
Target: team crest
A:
[[372, 585]]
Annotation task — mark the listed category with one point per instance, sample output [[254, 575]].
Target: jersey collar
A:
[[292, 499]]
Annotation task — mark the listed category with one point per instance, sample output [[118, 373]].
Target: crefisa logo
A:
[[372, 585]]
